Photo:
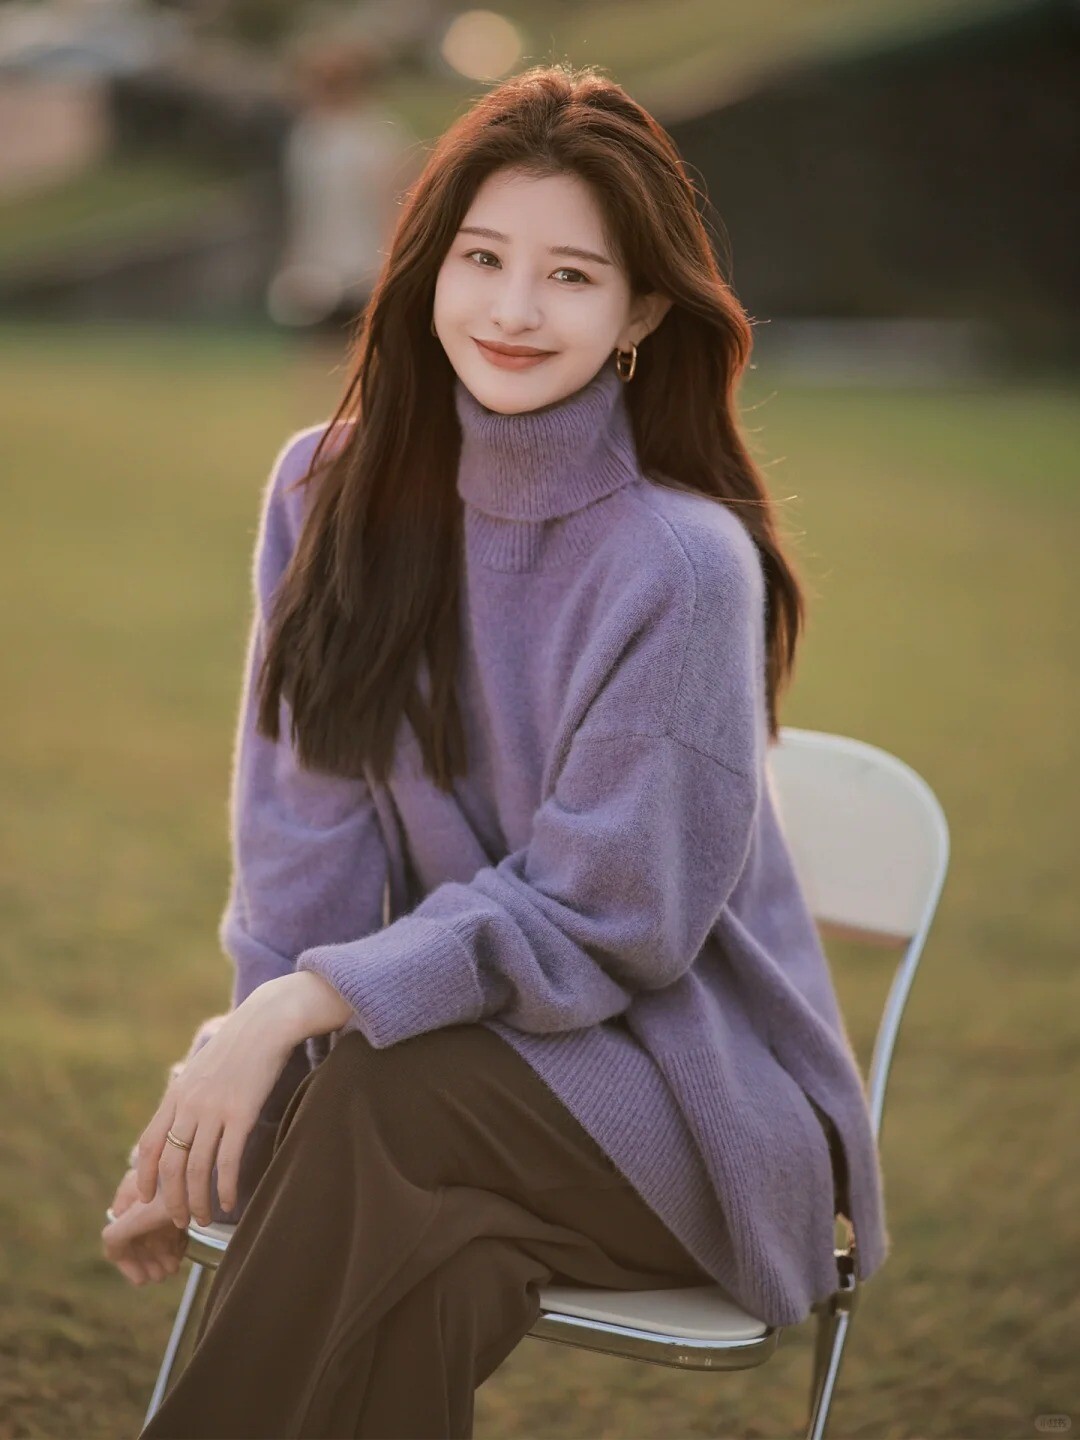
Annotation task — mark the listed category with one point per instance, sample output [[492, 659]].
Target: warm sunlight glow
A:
[[482, 45]]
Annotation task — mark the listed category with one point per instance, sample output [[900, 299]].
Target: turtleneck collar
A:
[[543, 464]]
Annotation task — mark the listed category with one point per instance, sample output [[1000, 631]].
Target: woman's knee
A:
[[423, 1065], [393, 1078], [416, 1093]]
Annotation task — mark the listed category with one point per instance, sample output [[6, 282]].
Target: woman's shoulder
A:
[[681, 606], [297, 451], [284, 503], [697, 543]]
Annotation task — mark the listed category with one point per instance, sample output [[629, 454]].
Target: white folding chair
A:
[[871, 847]]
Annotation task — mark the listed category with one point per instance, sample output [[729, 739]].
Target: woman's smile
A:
[[507, 361]]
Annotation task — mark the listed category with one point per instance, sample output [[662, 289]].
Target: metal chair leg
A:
[[182, 1339], [833, 1319]]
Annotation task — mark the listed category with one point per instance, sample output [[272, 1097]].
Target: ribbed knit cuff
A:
[[410, 977]]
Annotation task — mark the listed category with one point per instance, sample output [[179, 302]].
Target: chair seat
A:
[[694, 1312]]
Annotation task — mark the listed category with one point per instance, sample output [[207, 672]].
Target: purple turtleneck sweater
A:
[[608, 888]]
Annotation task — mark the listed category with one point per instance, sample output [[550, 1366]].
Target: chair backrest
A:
[[870, 845]]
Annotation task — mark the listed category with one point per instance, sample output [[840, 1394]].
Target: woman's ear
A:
[[646, 314]]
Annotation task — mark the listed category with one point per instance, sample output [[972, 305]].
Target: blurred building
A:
[[53, 128], [56, 61], [931, 176]]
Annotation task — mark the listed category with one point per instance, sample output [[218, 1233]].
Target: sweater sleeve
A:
[[629, 863], [308, 861]]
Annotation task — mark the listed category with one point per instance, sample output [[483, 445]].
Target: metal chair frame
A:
[[870, 844]]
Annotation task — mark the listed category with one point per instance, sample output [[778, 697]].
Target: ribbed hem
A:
[[865, 1185], [779, 1273]]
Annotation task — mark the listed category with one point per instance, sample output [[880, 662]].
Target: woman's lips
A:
[[510, 362]]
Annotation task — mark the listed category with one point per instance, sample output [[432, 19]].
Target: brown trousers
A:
[[416, 1200]]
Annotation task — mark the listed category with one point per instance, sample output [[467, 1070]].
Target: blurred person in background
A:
[[346, 159]]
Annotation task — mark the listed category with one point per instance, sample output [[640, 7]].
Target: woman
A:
[[507, 868]]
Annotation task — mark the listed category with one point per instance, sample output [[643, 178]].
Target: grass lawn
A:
[[937, 535]]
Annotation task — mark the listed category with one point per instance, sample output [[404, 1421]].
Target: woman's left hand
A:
[[216, 1099]]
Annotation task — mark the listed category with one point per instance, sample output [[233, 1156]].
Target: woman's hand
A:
[[142, 1242], [216, 1099]]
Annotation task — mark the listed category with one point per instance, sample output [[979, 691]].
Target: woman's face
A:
[[517, 285]]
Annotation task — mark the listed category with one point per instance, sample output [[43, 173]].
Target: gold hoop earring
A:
[[628, 374]]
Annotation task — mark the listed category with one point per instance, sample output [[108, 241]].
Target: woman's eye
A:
[[563, 270]]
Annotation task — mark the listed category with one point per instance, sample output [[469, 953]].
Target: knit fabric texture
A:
[[608, 887]]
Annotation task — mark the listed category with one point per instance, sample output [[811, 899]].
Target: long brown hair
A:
[[372, 589]]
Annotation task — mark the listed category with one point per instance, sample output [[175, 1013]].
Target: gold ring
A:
[[184, 1144]]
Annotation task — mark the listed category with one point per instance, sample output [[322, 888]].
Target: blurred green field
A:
[[937, 534]]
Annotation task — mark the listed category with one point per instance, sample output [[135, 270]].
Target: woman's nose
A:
[[514, 308]]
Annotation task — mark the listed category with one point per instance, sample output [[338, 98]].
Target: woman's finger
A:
[[119, 1244], [126, 1193], [200, 1164], [125, 1262], [132, 1270], [158, 1254], [172, 1169], [150, 1262], [230, 1153], [152, 1143], [118, 1234]]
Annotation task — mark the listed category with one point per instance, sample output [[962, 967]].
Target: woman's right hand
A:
[[142, 1242]]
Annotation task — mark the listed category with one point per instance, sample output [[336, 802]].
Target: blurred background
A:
[[195, 198]]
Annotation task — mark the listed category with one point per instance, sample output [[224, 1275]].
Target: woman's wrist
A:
[[309, 1005]]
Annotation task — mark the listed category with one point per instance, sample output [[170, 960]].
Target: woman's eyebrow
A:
[[553, 249]]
